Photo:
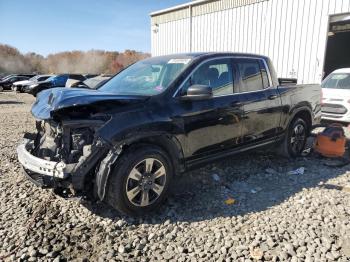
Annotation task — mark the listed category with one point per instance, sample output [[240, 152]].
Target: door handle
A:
[[272, 97]]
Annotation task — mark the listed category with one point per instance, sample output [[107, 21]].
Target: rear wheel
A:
[[140, 180], [295, 139]]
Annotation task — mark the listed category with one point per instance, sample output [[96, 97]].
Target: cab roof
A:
[[211, 54]]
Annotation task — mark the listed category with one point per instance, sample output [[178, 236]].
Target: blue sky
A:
[[61, 25]]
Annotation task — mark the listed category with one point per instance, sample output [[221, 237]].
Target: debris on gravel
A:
[[276, 216]]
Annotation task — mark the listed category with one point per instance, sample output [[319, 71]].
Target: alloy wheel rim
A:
[[145, 182], [297, 140]]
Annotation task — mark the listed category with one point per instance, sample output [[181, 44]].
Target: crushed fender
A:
[[104, 170]]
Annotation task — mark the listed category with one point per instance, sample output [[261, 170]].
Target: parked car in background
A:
[[7, 82], [18, 86], [74, 78], [11, 75], [92, 83], [61, 80], [4, 77], [87, 76], [336, 96], [126, 141]]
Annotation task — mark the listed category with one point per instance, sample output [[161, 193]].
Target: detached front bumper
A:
[[33, 164]]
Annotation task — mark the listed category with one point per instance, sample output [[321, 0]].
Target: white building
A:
[[305, 38]]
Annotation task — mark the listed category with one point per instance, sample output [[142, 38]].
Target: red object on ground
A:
[[331, 141]]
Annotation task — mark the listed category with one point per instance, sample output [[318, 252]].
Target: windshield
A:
[[33, 78], [6, 77], [147, 77], [337, 81]]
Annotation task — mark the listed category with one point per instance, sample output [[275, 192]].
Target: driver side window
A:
[[216, 74]]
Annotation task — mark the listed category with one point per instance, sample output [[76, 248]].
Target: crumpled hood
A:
[[51, 100]]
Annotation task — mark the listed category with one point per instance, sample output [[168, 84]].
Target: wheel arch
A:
[[306, 116], [166, 142], [304, 112]]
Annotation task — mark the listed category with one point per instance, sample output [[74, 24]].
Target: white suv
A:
[[336, 96]]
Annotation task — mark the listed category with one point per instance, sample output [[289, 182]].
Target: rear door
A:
[[262, 103]]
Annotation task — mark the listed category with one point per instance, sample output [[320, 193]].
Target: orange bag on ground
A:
[[331, 141]]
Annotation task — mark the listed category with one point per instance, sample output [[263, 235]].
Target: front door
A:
[[212, 125]]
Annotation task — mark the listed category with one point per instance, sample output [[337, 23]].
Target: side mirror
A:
[[198, 92]]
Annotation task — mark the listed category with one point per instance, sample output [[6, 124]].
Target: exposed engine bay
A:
[[65, 142], [69, 143]]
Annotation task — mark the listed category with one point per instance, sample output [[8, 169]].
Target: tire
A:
[[124, 180], [295, 139]]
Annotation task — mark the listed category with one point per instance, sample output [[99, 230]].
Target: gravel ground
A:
[[275, 216]]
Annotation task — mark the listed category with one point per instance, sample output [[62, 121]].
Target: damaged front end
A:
[[62, 154], [67, 151]]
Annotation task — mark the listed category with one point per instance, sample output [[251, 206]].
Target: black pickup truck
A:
[[126, 141]]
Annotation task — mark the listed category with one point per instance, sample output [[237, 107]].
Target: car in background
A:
[[6, 76], [336, 96], [74, 78], [18, 86], [87, 76], [92, 83], [61, 80], [7, 82]]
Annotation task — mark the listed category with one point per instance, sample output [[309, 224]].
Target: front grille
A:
[[334, 109]]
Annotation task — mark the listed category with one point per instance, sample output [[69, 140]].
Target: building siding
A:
[[293, 33]]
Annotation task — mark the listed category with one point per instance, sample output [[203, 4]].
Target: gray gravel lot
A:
[[275, 217]]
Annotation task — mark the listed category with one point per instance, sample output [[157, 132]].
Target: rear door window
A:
[[253, 74], [265, 76]]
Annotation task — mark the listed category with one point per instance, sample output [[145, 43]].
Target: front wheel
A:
[[295, 138], [140, 180]]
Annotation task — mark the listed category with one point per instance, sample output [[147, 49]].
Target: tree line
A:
[[92, 62]]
